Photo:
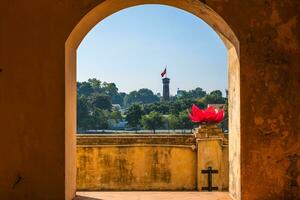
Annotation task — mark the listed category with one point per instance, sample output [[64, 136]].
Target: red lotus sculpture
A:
[[209, 115]]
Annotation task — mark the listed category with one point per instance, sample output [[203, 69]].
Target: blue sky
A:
[[132, 47]]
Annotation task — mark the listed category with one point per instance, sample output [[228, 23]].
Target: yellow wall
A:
[[149, 162], [210, 154], [212, 151], [136, 168]]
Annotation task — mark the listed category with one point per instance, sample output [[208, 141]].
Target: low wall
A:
[[137, 162]]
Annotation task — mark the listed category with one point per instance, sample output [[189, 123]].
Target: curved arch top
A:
[[108, 7]]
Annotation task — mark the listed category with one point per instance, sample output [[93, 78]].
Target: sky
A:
[[132, 47]]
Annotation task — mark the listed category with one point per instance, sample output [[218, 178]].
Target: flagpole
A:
[[166, 72]]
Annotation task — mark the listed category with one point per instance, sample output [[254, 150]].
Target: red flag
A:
[[164, 72]]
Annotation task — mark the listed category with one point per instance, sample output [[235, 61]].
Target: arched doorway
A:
[[109, 7]]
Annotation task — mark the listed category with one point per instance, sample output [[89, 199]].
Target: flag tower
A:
[[166, 83]]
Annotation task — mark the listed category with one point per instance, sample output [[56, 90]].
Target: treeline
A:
[[140, 109], [110, 92]]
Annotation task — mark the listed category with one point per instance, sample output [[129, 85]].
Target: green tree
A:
[[84, 88], [143, 96], [153, 121], [100, 119], [83, 113], [198, 93], [95, 84], [94, 94], [130, 98], [184, 121], [146, 96], [115, 114], [192, 94], [215, 97], [134, 115], [173, 122], [101, 101], [176, 107], [110, 89], [118, 98], [114, 117]]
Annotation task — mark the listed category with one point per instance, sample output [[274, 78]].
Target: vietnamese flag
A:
[[164, 72]]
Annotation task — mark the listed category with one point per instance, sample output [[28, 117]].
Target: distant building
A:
[[166, 89]]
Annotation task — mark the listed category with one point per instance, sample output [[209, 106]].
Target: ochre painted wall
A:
[[150, 161], [210, 154], [32, 102], [212, 151], [136, 168], [136, 162]]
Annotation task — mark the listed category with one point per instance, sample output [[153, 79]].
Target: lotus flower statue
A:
[[210, 115]]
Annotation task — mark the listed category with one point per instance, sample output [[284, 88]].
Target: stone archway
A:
[[109, 7]]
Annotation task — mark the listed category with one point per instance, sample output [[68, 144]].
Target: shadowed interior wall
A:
[[33, 91]]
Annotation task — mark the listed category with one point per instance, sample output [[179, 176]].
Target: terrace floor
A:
[[136, 195]]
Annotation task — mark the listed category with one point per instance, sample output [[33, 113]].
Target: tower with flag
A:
[[166, 83]]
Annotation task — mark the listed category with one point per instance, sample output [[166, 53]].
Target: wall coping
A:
[[131, 139]]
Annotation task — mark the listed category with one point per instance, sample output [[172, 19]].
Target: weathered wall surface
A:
[[149, 162], [32, 102], [225, 166], [268, 32], [136, 162], [136, 168], [212, 151]]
